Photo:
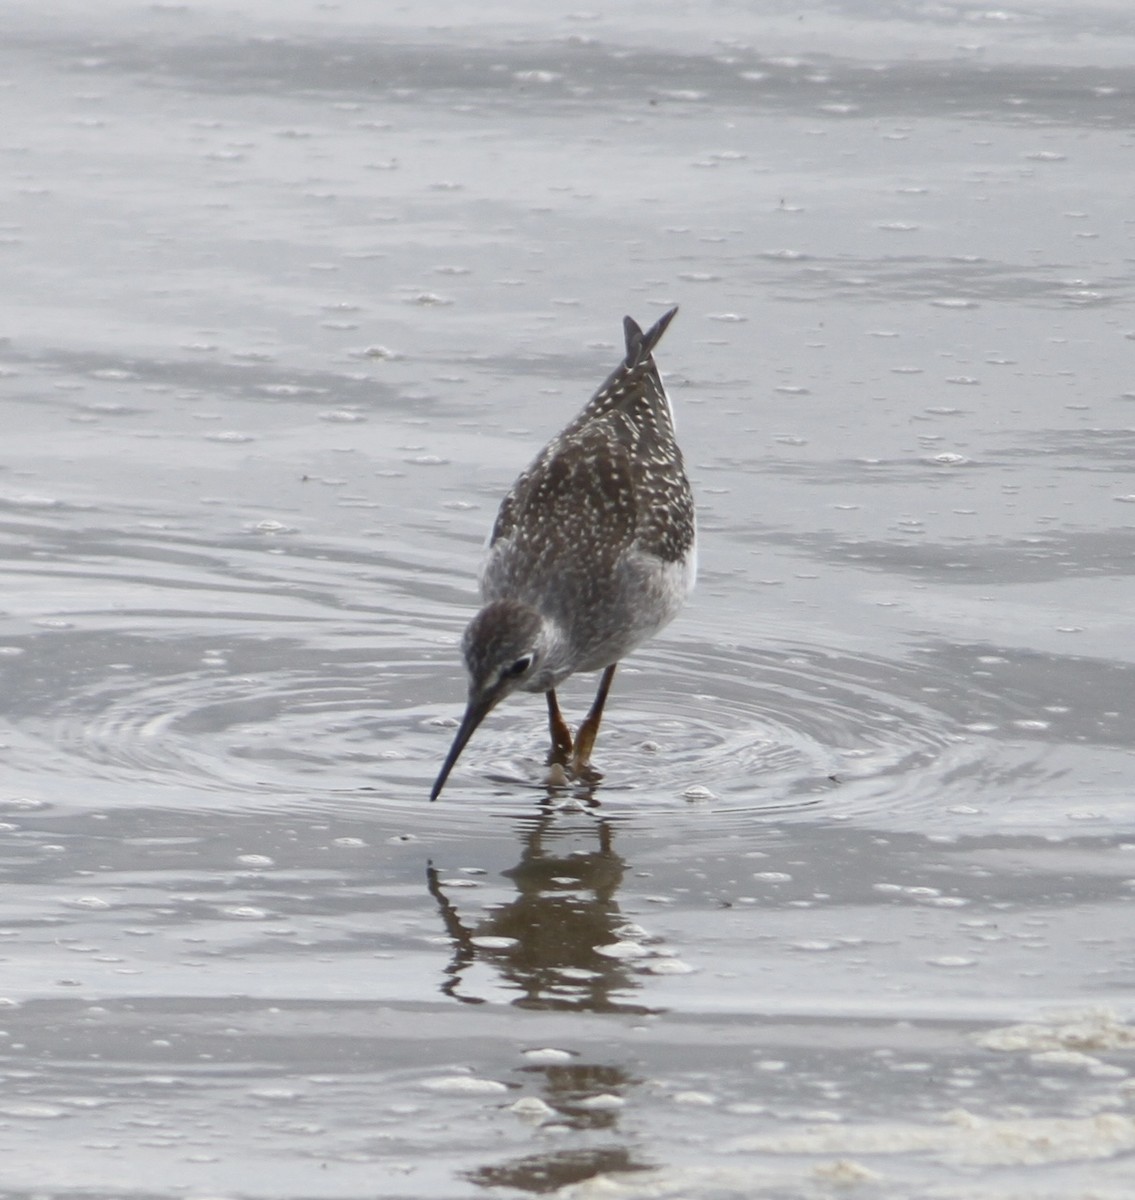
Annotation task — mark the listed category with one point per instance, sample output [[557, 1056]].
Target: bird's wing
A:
[[575, 508], [615, 472]]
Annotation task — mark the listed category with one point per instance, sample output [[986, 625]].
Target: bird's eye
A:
[[517, 668]]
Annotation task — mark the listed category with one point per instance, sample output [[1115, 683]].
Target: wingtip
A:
[[641, 345]]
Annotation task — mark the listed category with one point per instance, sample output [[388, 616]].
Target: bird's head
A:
[[507, 646]]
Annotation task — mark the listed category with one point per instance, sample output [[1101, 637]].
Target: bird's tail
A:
[[641, 345]]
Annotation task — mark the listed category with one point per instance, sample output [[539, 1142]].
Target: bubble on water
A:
[[342, 416], [846, 1173], [668, 966], [440, 722], [488, 942], [623, 950], [275, 1095], [548, 1054], [532, 1108], [429, 299], [463, 1085], [34, 1112], [91, 903], [22, 804], [85, 1102]]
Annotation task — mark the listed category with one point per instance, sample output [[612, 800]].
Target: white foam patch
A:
[[963, 1139], [1097, 1029]]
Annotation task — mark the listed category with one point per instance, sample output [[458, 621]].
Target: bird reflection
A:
[[564, 910], [542, 1173]]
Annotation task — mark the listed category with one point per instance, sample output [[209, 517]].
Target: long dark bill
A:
[[474, 715]]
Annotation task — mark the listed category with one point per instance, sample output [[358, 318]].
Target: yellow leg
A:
[[561, 735], [585, 739]]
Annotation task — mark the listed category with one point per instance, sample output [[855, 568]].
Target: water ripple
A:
[[690, 727]]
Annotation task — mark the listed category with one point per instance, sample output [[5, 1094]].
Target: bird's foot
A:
[[564, 771], [584, 772]]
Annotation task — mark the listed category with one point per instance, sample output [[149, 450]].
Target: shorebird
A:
[[593, 551]]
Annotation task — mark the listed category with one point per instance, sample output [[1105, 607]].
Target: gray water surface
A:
[[292, 292]]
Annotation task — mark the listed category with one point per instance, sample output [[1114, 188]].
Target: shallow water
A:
[[293, 292]]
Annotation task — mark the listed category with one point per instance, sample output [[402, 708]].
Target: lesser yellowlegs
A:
[[593, 551]]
